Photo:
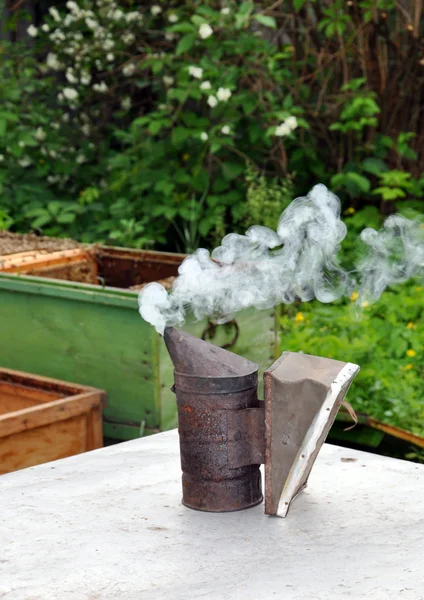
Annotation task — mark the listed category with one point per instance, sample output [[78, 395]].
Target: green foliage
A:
[[386, 340], [266, 199], [135, 127]]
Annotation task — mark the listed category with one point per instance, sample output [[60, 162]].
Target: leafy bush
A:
[[386, 340], [150, 118]]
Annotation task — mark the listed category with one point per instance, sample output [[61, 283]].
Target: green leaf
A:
[[3, 125], [266, 21], [66, 217], [232, 170], [375, 166], [41, 221], [184, 27], [298, 4], [361, 182], [389, 193], [185, 43], [179, 134]]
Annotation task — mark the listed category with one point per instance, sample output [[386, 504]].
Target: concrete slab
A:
[[109, 525]]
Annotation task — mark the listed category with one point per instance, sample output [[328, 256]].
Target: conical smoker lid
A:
[[193, 356]]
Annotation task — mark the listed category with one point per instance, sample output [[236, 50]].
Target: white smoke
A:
[[298, 261], [396, 253]]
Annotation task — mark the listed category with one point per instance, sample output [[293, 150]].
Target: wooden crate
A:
[[43, 419]]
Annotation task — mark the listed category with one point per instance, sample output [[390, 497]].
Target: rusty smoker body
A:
[[216, 417]]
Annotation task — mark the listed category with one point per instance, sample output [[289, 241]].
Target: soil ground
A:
[[11, 243]]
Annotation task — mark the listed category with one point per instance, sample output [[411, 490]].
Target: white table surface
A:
[[110, 525]]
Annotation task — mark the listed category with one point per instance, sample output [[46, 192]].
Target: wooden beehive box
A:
[[43, 419], [66, 319]]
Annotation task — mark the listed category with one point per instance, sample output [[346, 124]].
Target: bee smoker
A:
[[226, 433]]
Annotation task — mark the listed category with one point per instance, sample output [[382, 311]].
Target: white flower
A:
[[70, 93], [32, 31], [196, 72], [100, 87], [133, 16], [223, 94], [91, 23], [55, 14], [1, 157], [128, 38], [68, 20], [80, 159], [25, 162], [162, 107], [110, 57], [226, 130], [60, 97], [117, 14], [45, 27], [128, 69], [71, 77], [65, 118], [53, 153], [98, 64], [212, 101], [53, 62], [205, 85], [292, 123], [55, 125], [108, 44], [173, 18], [168, 80], [282, 130], [85, 78], [72, 6], [155, 10], [86, 129], [204, 136], [225, 11], [21, 144], [169, 36], [286, 127], [205, 31], [126, 103], [40, 134]]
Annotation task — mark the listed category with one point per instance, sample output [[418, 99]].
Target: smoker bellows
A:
[[226, 433]]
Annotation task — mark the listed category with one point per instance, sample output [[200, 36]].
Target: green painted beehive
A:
[[93, 335]]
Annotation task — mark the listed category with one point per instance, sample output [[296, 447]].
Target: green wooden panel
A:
[[103, 343], [92, 335]]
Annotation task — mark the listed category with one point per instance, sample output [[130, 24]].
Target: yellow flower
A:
[[365, 304], [299, 317], [419, 289], [186, 156], [350, 211], [41, 161], [411, 325], [411, 353], [409, 367], [354, 296]]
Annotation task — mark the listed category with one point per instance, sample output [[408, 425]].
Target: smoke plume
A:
[[298, 261]]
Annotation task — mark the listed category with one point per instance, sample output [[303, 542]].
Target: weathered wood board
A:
[[43, 419]]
